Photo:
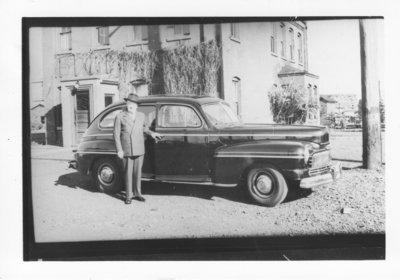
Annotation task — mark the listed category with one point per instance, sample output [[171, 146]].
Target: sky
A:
[[334, 55]]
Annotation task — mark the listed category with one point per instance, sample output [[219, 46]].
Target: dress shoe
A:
[[140, 198], [128, 201]]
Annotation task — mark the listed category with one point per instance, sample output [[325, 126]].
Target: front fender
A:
[[231, 162]]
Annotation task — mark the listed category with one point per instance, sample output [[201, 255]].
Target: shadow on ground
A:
[[75, 180], [237, 194]]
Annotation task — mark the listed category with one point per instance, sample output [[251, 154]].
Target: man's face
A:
[[131, 106]]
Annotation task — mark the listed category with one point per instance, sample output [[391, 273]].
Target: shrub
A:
[[290, 104]]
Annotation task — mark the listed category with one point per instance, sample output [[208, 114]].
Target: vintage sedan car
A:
[[203, 142]]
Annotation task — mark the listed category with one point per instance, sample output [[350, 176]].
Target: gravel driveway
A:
[[67, 209]]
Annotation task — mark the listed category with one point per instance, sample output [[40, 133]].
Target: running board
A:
[[186, 182]]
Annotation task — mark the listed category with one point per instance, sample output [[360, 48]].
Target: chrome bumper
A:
[[335, 171]]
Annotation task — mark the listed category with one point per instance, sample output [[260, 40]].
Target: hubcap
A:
[[106, 174], [264, 184]]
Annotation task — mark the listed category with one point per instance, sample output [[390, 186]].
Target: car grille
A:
[[317, 171], [319, 160]]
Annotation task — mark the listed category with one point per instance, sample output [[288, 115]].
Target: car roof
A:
[[186, 99]]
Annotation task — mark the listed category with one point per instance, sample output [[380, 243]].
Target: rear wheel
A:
[[266, 186], [106, 175]]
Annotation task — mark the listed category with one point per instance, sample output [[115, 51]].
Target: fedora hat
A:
[[132, 97]]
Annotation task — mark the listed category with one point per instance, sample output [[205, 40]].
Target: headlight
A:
[[328, 147], [309, 149], [306, 155], [314, 146]]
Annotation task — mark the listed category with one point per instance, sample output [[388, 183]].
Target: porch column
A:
[[67, 115]]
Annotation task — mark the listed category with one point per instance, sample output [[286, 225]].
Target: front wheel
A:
[[106, 175], [266, 186]]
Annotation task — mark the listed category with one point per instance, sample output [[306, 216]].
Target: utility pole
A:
[[369, 43]]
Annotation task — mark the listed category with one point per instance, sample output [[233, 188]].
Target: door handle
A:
[[159, 139]]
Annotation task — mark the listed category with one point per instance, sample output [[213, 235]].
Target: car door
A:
[[182, 153]]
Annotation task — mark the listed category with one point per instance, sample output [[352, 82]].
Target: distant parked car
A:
[[347, 122], [204, 143]]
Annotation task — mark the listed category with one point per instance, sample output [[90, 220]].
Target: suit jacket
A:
[[129, 133]]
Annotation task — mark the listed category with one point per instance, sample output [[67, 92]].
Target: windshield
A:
[[220, 114]]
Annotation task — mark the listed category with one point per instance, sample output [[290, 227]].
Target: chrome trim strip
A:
[[105, 152], [257, 156], [234, 135], [94, 135], [259, 153], [213, 135], [191, 183]]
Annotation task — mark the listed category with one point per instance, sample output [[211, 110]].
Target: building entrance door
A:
[[82, 114]]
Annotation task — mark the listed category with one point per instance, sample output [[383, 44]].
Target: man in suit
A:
[[129, 130]]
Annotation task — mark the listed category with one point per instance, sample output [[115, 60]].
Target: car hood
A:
[[316, 134]]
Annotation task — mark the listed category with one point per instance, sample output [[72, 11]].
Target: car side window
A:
[[108, 120], [178, 116], [150, 115]]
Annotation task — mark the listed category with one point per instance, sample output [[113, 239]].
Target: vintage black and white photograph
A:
[[155, 129]]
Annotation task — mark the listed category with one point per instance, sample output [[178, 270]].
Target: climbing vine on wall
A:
[[192, 69], [119, 64], [185, 69]]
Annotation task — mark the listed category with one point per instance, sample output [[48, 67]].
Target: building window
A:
[[182, 30], [273, 39], [273, 44], [237, 95], [66, 38], [300, 50], [140, 33], [310, 95], [235, 31], [108, 99], [103, 35], [315, 90], [178, 32], [283, 40], [291, 46]]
